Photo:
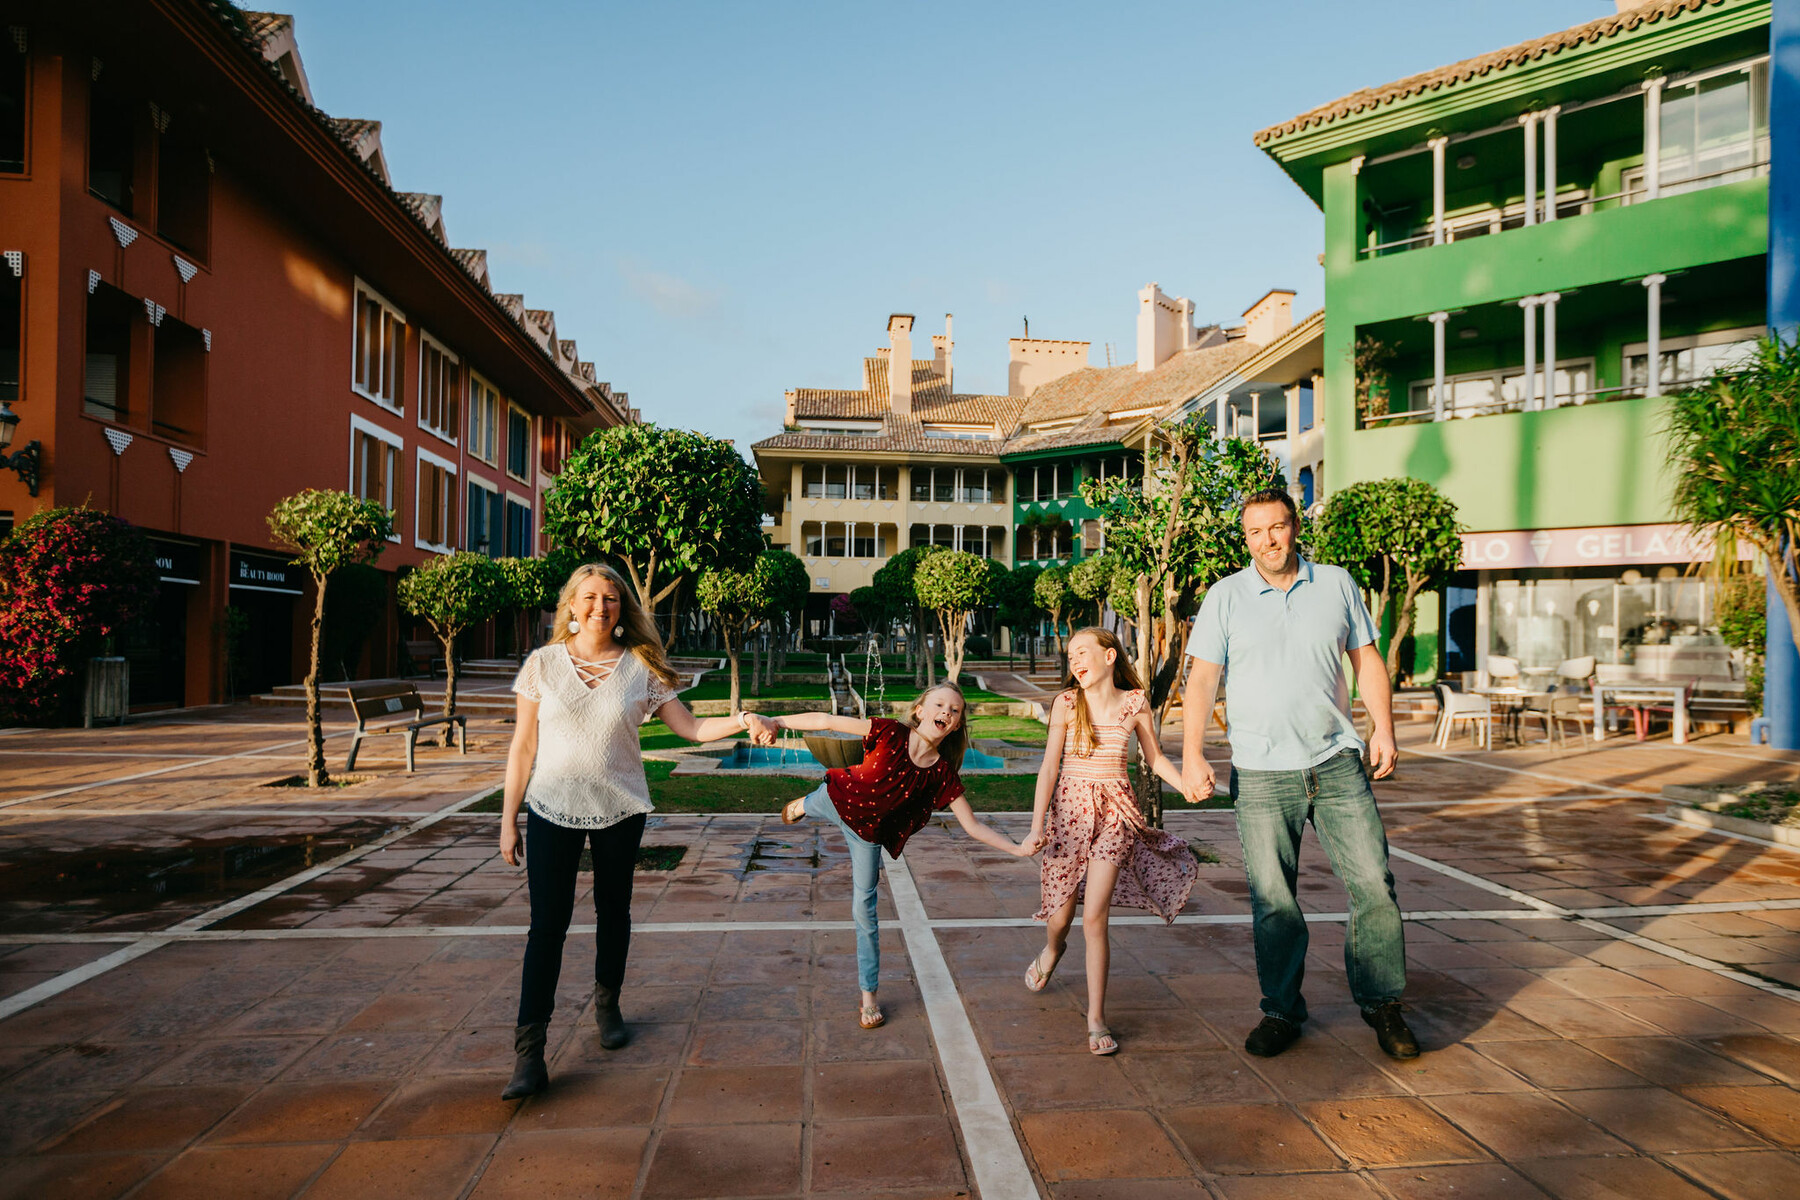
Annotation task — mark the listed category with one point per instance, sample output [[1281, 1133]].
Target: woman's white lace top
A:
[[589, 771]]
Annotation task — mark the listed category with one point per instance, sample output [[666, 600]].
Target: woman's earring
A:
[[574, 626], [618, 633]]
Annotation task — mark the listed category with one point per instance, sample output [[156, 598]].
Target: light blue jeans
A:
[[1272, 811], [865, 873]]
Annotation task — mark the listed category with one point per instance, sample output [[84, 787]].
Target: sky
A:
[[722, 201]]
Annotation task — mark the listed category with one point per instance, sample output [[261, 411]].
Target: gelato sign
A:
[[1594, 546]]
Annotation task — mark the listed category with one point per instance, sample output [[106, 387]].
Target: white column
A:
[[1529, 121], [1529, 305], [1438, 321], [1550, 165], [1653, 90], [1551, 399], [1653, 334], [1437, 145]]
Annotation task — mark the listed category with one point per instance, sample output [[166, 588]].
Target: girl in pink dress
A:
[[1097, 848]]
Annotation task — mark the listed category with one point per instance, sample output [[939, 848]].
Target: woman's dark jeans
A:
[[552, 862], [1272, 811]]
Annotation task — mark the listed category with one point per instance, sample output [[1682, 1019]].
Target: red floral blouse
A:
[[886, 798]]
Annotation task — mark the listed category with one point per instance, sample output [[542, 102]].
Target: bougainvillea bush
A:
[[70, 578]]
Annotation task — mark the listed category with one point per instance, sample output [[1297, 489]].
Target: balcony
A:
[[1679, 134]]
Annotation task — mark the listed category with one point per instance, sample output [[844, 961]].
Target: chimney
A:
[[900, 363], [1269, 317], [793, 408], [1161, 320], [941, 348], [1033, 362]]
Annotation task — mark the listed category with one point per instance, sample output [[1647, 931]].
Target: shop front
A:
[[260, 622], [1632, 596], [156, 645]]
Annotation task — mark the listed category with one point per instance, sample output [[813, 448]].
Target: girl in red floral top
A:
[[1098, 850], [907, 773]]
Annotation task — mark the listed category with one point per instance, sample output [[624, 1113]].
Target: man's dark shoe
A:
[[1272, 1036], [1397, 1041]]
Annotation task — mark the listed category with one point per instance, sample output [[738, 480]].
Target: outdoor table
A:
[[1512, 701], [1643, 691]]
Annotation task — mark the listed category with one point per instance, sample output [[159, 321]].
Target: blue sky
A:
[[725, 200]]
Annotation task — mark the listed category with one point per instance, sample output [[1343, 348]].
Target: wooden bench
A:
[[419, 651], [379, 700]]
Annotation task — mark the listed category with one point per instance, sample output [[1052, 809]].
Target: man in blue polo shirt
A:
[[1276, 634]]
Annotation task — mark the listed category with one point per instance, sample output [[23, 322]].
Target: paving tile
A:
[[733, 1095], [1250, 1139], [373, 1054], [74, 1176], [301, 1112], [1770, 1110], [1757, 1175], [447, 1104], [1470, 1181], [1178, 1078], [1385, 1132], [696, 1162], [742, 1043], [1342, 1186], [231, 1060], [1772, 1054], [842, 1091], [551, 1164], [595, 1099], [1671, 1061], [1579, 1019], [240, 1172], [1559, 1064], [1529, 1125], [1320, 1067], [1658, 1121], [152, 1119], [1100, 1144], [885, 1153], [1610, 1178], [438, 1166]]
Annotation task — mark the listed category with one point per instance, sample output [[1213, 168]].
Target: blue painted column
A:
[[1781, 688]]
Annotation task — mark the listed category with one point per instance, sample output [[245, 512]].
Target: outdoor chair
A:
[[1478, 711], [1556, 713], [1504, 672]]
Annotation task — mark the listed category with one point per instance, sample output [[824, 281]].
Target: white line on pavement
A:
[[61, 983], [994, 1151], [181, 766], [1476, 762]]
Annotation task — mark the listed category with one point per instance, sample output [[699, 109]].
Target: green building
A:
[[1523, 252]]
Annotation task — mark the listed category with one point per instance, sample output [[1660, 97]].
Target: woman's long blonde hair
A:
[[956, 742], [1124, 678], [636, 632]]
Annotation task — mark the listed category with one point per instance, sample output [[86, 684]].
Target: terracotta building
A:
[[213, 297]]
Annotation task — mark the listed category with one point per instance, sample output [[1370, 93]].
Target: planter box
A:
[[108, 694], [1786, 835]]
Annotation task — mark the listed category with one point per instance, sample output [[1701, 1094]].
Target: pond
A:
[[745, 757]]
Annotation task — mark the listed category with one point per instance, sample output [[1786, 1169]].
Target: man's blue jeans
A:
[[1272, 811], [865, 873]]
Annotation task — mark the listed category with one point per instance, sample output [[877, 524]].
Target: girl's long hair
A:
[[956, 742], [636, 631], [1124, 678]]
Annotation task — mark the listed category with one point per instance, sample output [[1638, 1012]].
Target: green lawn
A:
[[1025, 731]]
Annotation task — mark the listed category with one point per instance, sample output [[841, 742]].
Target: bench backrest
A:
[[384, 700]]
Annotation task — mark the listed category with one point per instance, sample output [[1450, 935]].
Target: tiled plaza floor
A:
[[209, 987]]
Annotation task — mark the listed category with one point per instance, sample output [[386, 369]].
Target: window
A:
[[440, 386], [1687, 360], [558, 442], [486, 532], [106, 382], [377, 353], [1053, 481], [978, 540], [112, 146], [1715, 130], [183, 182], [435, 528], [975, 486], [1306, 487], [1482, 393], [178, 383], [484, 420], [518, 528], [12, 333], [375, 464], [13, 80], [518, 442]]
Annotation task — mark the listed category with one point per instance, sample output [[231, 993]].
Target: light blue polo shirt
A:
[[1287, 701]]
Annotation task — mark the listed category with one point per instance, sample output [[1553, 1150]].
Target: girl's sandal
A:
[[870, 1017], [793, 811], [1102, 1042], [1036, 978]]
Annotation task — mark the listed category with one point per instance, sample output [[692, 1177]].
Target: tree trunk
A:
[[448, 637], [731, 652], [755, 666], [315, 730], [1403, 623], [954, 640]]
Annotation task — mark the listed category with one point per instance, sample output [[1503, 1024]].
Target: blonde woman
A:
[[575, 765]]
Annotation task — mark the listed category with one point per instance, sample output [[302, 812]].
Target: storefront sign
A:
[[1594, 546], [176, 562], [258, 573]]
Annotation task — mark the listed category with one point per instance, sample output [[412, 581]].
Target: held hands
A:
[[1197, 780], [763, 731], [1034, 841]]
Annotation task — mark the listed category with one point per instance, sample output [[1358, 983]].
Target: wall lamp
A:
[[24, 463]]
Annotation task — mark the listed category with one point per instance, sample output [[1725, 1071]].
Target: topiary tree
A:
[[532, 585], [1397, 538], [953, 585], [665, 503], [789, 586], [1089, 580], [895, 579], [326, 531], [739, 601], [359, 597], [1734, 447], [1051, 591], [1015, 599], [452, 592], [70, 578]]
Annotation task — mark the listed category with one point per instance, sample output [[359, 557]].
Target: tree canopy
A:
[[1051, 592], [895, 579], [740, 601], [953, 585]]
